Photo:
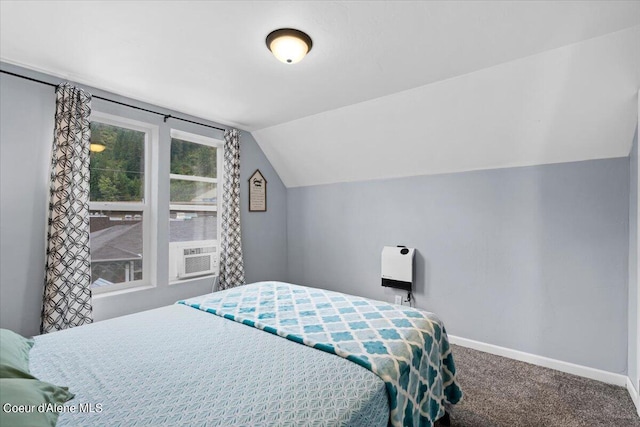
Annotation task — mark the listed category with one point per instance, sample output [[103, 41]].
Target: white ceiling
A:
[[389, 89], [568, 104]]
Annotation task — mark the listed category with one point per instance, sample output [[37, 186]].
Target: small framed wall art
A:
[[257, 192]]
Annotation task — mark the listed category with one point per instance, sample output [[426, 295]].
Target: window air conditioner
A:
[[197, 261]]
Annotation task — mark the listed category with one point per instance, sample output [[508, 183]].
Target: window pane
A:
[[189, 158], [193, 192], [188, 226], [117, 172], [116, 247]]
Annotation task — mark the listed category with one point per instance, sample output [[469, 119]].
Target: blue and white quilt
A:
[[406, 347]]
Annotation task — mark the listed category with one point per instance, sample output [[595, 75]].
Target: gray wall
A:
[[633, 265], [26, 134], [532, 258], [26, 123], [264, 234]]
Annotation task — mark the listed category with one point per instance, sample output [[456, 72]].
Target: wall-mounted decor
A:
[[257, 192]]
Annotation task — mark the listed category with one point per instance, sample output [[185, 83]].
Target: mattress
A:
[[178, 366]]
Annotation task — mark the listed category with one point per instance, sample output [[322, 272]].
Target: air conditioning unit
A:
[[197, 261]]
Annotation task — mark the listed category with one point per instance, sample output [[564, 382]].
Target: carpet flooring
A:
[[501, 392]]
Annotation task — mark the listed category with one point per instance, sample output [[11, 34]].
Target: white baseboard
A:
[[558, 365], [634, 395]]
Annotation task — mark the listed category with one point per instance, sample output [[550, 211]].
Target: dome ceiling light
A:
[[289, 45], [96, 148]]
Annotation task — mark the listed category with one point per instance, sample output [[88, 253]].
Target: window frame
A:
[[219, 146], [145, 206]]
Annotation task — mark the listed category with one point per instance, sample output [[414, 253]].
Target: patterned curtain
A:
[[231, 265], [67, 296]]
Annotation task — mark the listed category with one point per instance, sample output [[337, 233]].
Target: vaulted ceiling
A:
[[389, 89]]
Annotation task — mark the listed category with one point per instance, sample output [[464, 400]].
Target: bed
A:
[[249, 356]]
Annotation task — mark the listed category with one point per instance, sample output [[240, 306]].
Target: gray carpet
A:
[[502, 392]]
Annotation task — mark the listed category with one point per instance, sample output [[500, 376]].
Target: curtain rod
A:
[[166, 116]]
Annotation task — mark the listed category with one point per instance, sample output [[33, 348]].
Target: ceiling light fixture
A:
[[96, 148], [289, 45]]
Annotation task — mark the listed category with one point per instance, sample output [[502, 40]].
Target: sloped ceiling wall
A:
[[572, 103]]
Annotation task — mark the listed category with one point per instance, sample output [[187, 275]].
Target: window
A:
[[128, 207], [119, 203], [193, 211]]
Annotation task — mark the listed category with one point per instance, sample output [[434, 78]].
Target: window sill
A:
[[210, 277], [122, 291]]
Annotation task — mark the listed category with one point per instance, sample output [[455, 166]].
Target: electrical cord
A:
[[410, 299]]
